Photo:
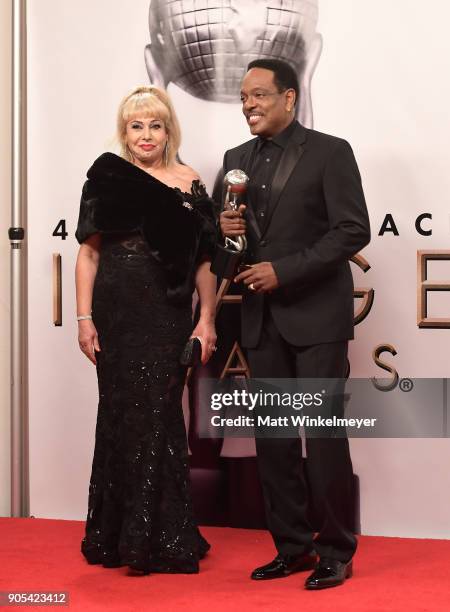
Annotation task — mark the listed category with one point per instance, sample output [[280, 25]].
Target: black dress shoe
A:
[[329, 573], [281, 567]]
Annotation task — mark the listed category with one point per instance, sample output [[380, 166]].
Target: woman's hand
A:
[[88, 339], [206, 331]]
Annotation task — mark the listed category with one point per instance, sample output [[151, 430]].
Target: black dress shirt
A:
[[267, 155]]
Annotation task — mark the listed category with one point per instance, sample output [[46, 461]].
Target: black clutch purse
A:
[[192, 353]]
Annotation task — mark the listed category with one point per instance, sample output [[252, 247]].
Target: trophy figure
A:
[[229, 256]]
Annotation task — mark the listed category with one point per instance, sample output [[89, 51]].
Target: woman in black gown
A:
[[146, 229]]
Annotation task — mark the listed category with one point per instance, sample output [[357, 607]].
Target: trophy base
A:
[[225, 263]]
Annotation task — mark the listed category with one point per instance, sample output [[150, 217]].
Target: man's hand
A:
[[232, 222], [260, 277]]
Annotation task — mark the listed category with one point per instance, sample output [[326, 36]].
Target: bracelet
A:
[[84, 317]]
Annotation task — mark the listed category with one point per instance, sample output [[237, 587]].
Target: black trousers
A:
[[328, 463]]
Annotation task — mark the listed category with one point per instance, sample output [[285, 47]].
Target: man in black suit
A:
[[306, 217]]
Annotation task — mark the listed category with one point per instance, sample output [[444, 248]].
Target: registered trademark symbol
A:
[[406, 385]]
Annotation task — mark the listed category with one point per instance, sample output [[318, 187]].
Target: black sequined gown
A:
[[140, 511]]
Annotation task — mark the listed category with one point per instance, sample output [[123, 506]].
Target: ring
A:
[[214, 348], [252, 287]]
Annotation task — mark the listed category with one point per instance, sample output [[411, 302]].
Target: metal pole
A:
[[19, 372]]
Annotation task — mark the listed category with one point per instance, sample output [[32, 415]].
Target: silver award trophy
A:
[[230, 255]]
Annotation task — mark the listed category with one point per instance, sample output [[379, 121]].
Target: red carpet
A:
[[391, 574]]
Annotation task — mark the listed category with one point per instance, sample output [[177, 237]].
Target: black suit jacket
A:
[[316, 220]]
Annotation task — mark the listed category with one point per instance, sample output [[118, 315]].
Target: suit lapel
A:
[[289, 159]]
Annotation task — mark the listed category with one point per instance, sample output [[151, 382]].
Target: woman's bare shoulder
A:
[[187, 173]]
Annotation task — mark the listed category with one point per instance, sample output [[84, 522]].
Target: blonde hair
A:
[[153, 102]]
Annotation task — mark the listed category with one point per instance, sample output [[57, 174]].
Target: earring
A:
[[129, 153], [166, 153]]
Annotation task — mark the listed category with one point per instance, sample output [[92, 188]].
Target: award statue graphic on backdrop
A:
[[205, 47]]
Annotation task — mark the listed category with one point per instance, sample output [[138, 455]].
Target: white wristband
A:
[[84, 317]]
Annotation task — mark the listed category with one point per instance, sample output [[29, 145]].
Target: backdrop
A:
[[379, 81]]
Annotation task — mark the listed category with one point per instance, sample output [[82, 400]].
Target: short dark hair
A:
[[284, 75]]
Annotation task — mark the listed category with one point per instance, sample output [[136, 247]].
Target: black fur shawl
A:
[[119, 197]]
